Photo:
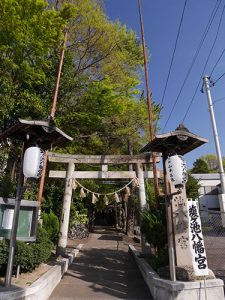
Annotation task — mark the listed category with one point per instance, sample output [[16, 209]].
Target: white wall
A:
[[208, 180]]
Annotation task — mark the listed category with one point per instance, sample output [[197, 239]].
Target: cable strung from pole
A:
[[211, 19], [214, 82], [206, 63], [173, 55], [220, 99], [218, 60]]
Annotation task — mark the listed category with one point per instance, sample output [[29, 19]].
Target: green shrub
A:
[[151, 226], [51, 225], [158, 261], [28, 256], [24, 257], [4, 249], [7, 186]]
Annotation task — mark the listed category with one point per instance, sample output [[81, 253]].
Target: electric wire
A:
[[211, 19], [173, 56], [218, 60], [219, 100], [218, 79], [206, 63]]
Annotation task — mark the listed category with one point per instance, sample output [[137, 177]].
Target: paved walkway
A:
[[103, 270]]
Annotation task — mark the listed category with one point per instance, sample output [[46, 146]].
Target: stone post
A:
[[180, 226]]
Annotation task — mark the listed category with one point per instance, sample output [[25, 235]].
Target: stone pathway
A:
[[103, 270]]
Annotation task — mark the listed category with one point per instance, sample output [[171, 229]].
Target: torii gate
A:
[[104, 161]]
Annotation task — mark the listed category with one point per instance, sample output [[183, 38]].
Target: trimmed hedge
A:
[[28, 256]]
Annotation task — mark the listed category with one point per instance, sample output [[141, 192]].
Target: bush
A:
[[4, 249], [7, 186], [28, 256], [151, 226], [51, 225], [157, 262], [24, 257]]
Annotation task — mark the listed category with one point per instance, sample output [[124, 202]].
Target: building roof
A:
[[208, 176]]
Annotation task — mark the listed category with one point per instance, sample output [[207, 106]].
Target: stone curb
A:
[[162, 289], [147, 272], [42, 288]]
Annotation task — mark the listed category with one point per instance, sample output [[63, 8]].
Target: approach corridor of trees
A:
[[99, 103]]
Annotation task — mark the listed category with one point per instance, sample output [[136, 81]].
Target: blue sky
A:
[[161, 21]]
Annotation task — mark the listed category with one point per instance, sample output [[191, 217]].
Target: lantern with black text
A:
[[33, 162], [176, 170]]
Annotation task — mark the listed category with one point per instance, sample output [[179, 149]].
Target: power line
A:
[[212, 16], [218, 79], [218, 100], [206, 63], [173, 55], [218, 60]]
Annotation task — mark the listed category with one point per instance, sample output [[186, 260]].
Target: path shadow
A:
[[109, 272], [110, 237]]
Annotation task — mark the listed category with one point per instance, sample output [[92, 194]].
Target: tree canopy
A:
[[98, 103], [207, 164], [28, 33], [192, 187], [200, 166]]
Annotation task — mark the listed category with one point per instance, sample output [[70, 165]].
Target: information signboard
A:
[[28, 218]]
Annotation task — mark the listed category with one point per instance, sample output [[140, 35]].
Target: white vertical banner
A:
[[197, 247]]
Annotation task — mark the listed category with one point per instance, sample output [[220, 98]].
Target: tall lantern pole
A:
[[52, 115], [149, 100]]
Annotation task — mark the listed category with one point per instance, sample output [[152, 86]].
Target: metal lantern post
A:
[[32, 132]]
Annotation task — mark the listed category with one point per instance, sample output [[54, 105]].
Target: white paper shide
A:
[[196, 240]]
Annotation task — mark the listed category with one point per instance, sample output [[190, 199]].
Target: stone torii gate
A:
[[104, 161]]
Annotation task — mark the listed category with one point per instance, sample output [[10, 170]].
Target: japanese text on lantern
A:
[[196, 240]]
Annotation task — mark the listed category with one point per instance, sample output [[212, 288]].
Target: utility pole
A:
[[149, 100], [206, 82], [52, 115]]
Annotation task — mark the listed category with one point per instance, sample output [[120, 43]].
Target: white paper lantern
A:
[[33, 162], [176, 170]]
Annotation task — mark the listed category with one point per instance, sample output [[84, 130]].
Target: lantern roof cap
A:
[[36, 132], [180, 141]]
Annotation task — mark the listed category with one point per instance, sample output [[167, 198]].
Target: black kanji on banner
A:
[[196, 240]]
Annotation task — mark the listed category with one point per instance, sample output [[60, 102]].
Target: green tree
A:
[[211, 161], [200, 166], [28, 34], [192, 187], [98, 102]]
